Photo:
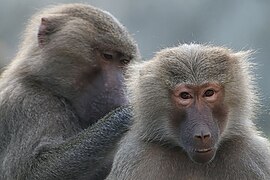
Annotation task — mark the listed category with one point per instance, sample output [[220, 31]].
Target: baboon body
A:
[[67, 75], [180, 92]]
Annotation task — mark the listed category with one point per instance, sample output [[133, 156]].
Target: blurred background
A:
[[155, 24]]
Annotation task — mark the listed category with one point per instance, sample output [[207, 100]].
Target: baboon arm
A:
[[81, 156]]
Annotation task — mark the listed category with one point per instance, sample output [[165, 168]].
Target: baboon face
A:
[[181, 92], [199, 117], [199, 79]]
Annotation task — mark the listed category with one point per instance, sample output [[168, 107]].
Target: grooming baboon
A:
[[193, 111], [66, 76]]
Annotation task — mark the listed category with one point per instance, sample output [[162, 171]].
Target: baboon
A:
[[67, 75], [193, 109]]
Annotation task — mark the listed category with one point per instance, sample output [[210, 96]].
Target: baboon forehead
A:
[[92, 14], [109, 30], [195, 64]]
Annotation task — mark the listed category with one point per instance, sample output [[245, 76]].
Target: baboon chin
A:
[[193, 109]]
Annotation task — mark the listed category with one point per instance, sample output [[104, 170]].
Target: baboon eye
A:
[[185, 95], [108, 56], [209, 93], [124, 61]]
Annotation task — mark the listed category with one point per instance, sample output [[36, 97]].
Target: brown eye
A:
[[124, 61], [108, 56], [209, 93], [185, 95]]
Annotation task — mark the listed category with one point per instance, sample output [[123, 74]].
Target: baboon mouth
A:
[[204, 155], [203, 150]]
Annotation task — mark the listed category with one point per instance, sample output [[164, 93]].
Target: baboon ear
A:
[[48, 25]]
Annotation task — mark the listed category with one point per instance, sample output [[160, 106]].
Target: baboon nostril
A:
[[203, 136]]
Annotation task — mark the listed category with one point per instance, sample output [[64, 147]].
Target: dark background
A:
[[155, 24]]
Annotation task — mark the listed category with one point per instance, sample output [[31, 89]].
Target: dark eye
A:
[[209, 93], [108, 56], [124, 61], [185, 95]]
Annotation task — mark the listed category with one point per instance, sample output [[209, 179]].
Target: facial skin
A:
[[102, 84], [198, 116]]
